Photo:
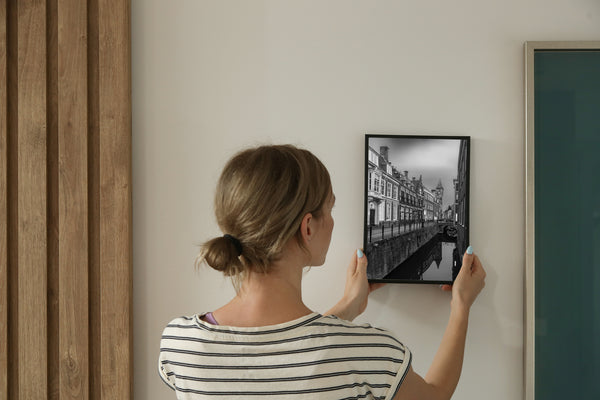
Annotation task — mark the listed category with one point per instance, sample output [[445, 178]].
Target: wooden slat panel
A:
[[94, 204], [12, 190], [3, 210], [72, 200], [31, 153], [62, 256], [115, 198], [52, 221]]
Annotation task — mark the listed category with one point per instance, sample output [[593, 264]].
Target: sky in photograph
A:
[[435, 159]]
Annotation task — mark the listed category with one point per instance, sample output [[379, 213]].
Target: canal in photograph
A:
[[434, 261]]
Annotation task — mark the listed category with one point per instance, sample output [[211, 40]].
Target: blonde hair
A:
[[261, 197]]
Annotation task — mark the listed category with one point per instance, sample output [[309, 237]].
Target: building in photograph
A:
[[461, 190], [382, 190], [439, 196], [429, 205], [461, 186], [394, 198]]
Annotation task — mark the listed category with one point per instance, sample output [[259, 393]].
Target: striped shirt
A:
[[313, 357]]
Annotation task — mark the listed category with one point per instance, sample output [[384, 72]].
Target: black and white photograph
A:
[[416, 225]]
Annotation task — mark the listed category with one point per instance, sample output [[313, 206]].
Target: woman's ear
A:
[[306, 228]]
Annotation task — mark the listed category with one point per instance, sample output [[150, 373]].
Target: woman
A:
[[274, 205]]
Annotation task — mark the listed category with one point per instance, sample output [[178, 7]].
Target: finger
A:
[[361, 261], [446, 288], [468, 260]]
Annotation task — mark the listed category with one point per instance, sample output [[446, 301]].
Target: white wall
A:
[[210, 77]]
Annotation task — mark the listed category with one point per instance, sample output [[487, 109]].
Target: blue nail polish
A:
[[359, 253], [470, 250]]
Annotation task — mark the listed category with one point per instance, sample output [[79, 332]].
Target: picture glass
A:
[[416, 225]]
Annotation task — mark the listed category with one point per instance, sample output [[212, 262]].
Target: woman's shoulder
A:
[[184, 321], [187, 325], [335, 322], [334, 327]]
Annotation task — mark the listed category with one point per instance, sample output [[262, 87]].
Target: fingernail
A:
[[359, 253], [470, 250]]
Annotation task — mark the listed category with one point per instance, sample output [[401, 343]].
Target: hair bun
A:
[[222, 254]]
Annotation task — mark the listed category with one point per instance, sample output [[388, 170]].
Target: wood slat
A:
[[94, 203], [53, 195], [12, 190], [115, 198], [32, 242], [72, 200], [3, 209]]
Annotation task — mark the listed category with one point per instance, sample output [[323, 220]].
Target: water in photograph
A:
[[434, 261]]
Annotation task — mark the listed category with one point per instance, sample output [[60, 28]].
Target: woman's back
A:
[[312, 357]]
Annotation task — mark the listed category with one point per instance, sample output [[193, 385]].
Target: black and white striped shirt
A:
[[314, 357]]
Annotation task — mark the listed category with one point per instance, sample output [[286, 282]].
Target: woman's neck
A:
[[266, 298]]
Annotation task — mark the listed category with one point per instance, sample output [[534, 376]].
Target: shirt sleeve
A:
[[400, 374], [164, 371]]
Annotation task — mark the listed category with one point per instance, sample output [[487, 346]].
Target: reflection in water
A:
[[443, 272], [437, 260]]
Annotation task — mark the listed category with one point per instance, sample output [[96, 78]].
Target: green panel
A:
[[567, 224]]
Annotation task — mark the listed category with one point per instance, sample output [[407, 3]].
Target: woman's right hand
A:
[[469, 282]]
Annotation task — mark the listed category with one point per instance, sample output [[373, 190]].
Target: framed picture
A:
[[416, 209]]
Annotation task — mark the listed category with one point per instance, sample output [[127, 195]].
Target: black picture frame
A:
[[416, 230]]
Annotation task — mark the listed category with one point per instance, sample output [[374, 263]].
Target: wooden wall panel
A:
[[53, 199], [65, 200], [94, 203], [31, 153], [12, 209], [72, 200], [3, 210], [115, 197]]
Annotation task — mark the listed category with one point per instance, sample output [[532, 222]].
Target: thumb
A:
[[361, 261], [468, 259]]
